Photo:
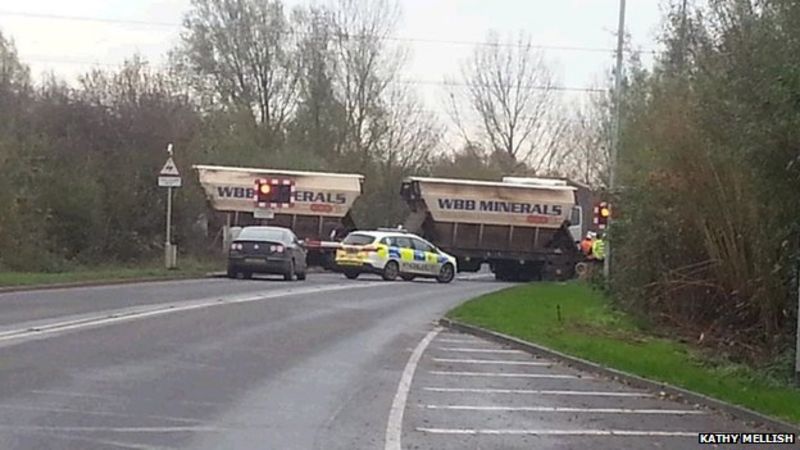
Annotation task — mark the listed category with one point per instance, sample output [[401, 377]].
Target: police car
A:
[[393, 253]]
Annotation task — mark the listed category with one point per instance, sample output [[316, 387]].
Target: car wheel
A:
[[391, 270], [446, 274], [351, 274], [289, 275], [301, 276], [247, 275], [407, 277], [231, 272]]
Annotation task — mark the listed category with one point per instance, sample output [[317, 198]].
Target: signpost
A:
[[263, 213], [170, 178]]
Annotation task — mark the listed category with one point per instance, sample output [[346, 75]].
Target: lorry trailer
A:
[[520, 229], [318, 209]]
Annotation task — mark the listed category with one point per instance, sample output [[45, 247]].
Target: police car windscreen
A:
[[358, 239]]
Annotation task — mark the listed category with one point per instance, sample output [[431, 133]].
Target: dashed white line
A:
[[394, 427], [539, 392], [481, 350], [493, 361], [507, 375], [534, 432], [559, 409]]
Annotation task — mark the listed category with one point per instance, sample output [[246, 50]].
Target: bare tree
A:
[[410, 134], [587, 157], [12, 72], [510, 95], [319, 116], [366, 67], [238, 53]]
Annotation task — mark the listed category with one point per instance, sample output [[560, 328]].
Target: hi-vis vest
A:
[[599, 249]]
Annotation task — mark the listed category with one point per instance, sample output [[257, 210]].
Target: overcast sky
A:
[[69, 46]]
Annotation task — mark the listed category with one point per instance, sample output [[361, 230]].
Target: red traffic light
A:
[[602, 213]]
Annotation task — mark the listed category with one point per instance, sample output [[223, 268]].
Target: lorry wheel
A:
[[407, 277], [391, 270], [446, 274], [351, 274], [502, 273]]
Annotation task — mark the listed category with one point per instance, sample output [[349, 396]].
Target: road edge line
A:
[[101, 283], [119, 281], [736, 411], [394, 426]]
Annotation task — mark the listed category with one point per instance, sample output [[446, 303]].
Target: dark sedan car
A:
[[270, 250]]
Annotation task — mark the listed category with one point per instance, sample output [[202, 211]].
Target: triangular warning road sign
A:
[[170, 169]]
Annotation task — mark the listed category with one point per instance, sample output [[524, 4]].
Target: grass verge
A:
[[187, 267], [574, 319]]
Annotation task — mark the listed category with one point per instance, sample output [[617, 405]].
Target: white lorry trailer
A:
[[320, 203], [520, 229]]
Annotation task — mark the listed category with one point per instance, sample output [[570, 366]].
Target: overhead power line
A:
[[144, 23], [400, 81]]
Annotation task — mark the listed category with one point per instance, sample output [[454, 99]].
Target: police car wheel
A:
[[446, 274], [391, 270]]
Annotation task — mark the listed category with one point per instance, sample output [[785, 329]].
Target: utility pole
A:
[[615, 134]]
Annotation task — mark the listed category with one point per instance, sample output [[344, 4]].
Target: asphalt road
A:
[[215, 363], [264, 364]]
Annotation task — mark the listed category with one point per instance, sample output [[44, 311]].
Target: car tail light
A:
[[370, 249], [276, 248]]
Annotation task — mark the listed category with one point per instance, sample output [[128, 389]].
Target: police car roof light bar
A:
[[394, 230]]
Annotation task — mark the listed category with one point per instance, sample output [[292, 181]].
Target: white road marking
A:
[[493, 361], [532, 432], [480, 350], [559, 409], [104, 442], [179, 429], [539, 392], [476, 277], [115, 397], [461, 341], [53, 409], [507, 375], [112, 317], [394, 427]]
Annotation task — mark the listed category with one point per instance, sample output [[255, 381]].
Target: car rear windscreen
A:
[[358, 239], [260, 234]]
